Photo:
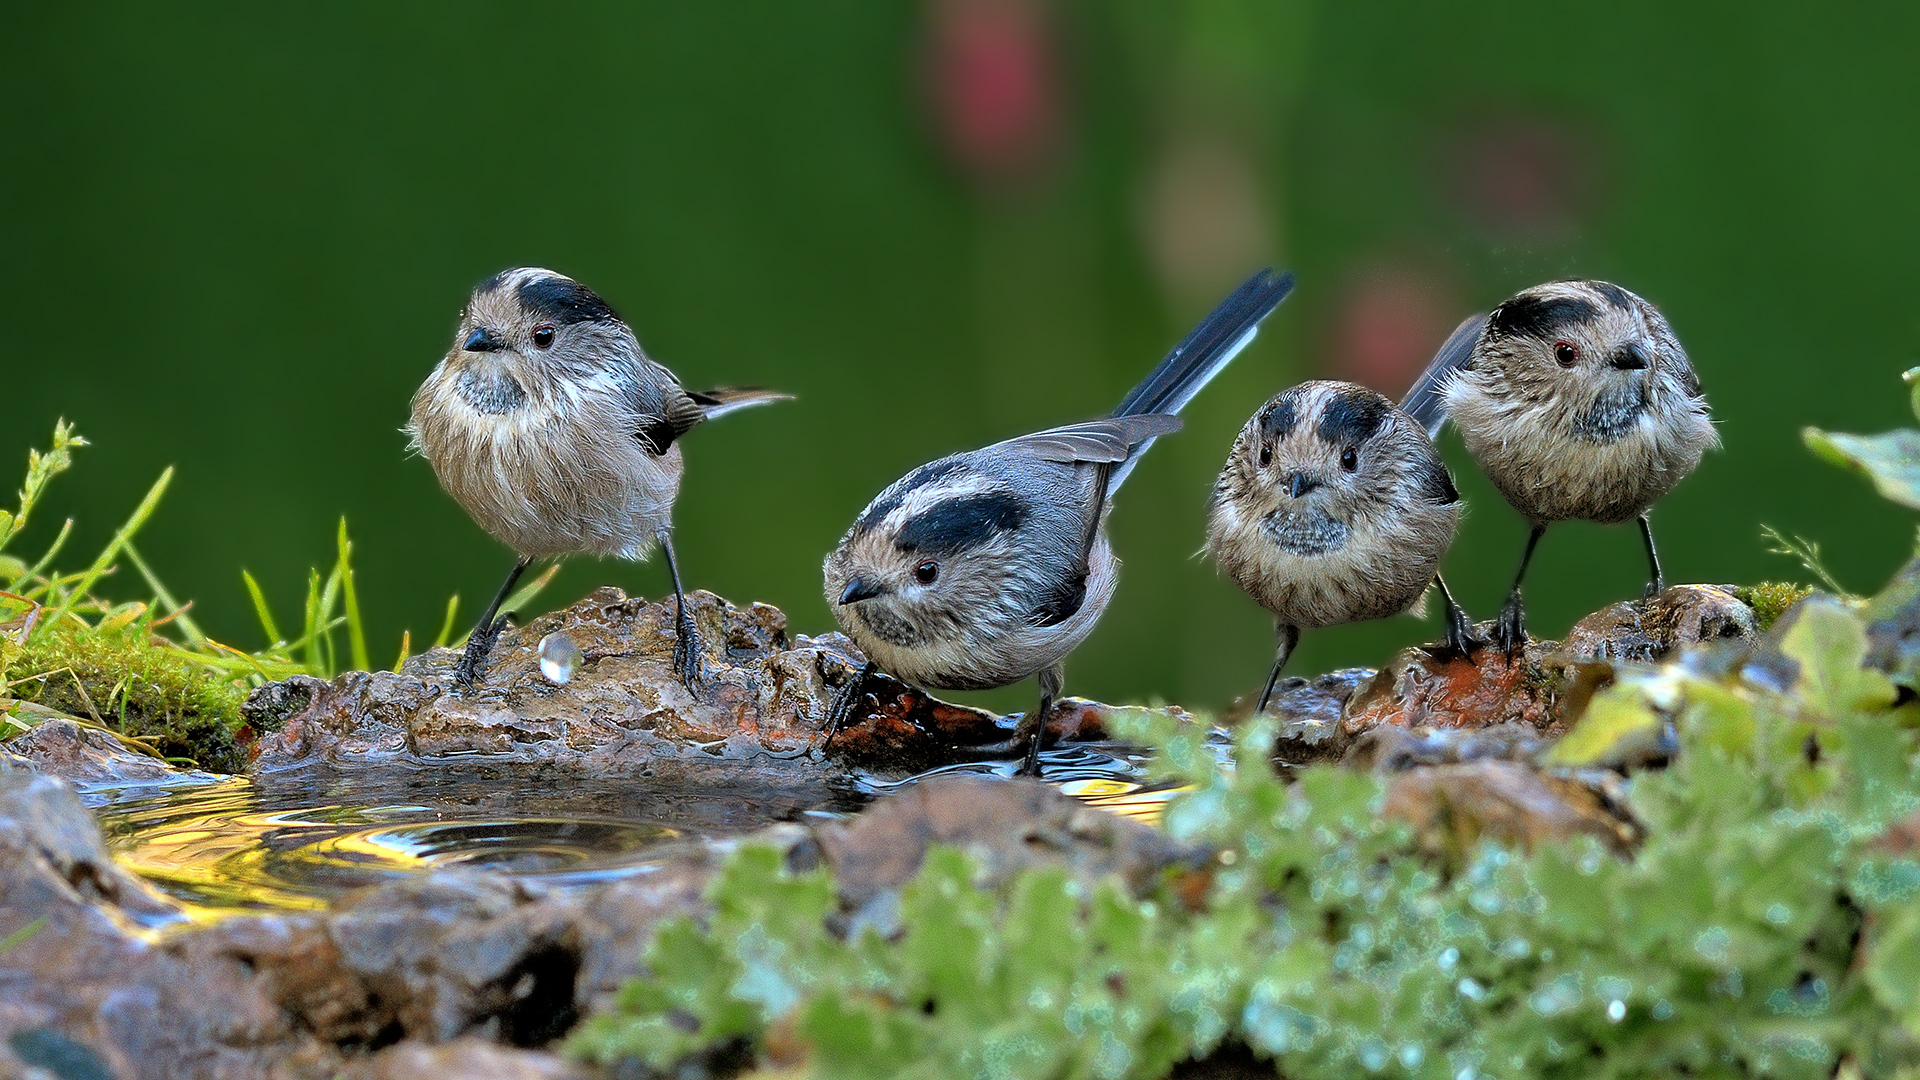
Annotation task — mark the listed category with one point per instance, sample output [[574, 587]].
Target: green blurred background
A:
[[236, 241]]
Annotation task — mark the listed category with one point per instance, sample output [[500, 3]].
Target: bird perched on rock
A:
[[1333, 507], [980, 569], [554, 431], [1579, 404]]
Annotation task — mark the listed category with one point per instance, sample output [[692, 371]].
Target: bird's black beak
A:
[[1631, 357], [481, 340], [860, 589], [1300, 483]]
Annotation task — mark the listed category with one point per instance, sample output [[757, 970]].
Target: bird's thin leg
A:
[[1460, 635], [1659, 582], [1034, 727], [473, 662], [844, 702], [1287, 636], [686, 640], [1510, 629]]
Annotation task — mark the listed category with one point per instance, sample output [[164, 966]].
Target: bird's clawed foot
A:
[[1510, 627], [473, 661], [840, 713], [1460, 638], [1655, 588], [686, 655]]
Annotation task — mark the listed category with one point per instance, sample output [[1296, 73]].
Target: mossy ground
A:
[[155, 693]]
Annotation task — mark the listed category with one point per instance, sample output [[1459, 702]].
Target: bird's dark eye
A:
[[543, 337], [1565, 353], [926, 572], [1349, 459], [1266, 456]]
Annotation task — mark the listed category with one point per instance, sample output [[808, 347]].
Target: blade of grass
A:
[[356, 633], [121, 618], [406, 650], [39, 568], [520, 599], [112, 551], [446, 627], [174, 608], [260, 609], [532, 589], [330, 600], [316, 662], [22, 934]]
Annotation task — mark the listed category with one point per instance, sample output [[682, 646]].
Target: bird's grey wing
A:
[[665, 416], [1426, 401], [1106, 444], [1094, 442]]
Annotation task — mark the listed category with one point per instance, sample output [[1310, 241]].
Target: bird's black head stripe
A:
[[1351, 417], [558, 300], [962, 524], [1282, 415], [1540, 316]]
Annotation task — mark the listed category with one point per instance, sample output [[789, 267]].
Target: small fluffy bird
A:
[[1579, 404], [980, 569], [1333, 507], [554, 431]]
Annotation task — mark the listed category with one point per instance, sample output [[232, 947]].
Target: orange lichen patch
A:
[[1422, 689]]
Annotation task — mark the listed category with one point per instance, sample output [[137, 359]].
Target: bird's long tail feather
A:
[[723, 400], [1426, 402], [1203, 354]]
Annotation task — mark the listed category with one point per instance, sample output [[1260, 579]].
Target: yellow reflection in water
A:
[[1141, 802]]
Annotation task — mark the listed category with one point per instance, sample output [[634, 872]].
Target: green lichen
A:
[[1771, 599]]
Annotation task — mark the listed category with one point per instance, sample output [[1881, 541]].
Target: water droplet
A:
[[1449, 958], [1714, 944], [1616, 1010], [1373, 1055], [1663, 1010], [1412, 1054], [558, 657], [1779, 914], [1471, 990]]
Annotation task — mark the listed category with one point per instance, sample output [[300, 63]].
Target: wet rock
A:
[[1648, 631], [1452, 807], [1548, 685], [622, 711], [1309, 711], [61, 746], [48, 840], [1423, 688], [1390, 748], [1005, 825], [465, 1059]]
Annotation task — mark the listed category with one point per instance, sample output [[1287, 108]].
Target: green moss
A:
[[1771, 599], [144, 688]]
